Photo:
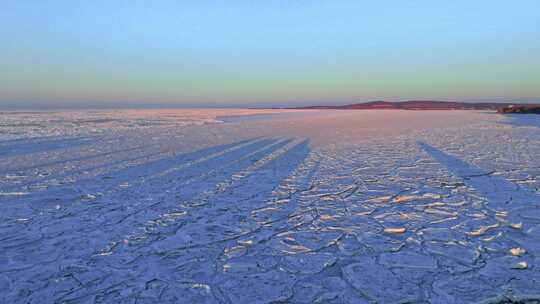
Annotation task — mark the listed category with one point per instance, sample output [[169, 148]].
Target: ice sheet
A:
[[193, 206]]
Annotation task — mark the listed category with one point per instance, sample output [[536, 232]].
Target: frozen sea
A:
[[269, 206]]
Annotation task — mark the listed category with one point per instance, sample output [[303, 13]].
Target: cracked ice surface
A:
[[213, 206]]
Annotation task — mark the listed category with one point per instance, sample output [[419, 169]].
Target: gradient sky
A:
[[77, 53]]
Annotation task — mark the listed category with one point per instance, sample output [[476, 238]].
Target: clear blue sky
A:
[[200, 52]]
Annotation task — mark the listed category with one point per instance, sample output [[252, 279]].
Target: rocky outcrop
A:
[[517, 109]]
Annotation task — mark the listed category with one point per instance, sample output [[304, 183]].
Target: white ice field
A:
[[245, 206]]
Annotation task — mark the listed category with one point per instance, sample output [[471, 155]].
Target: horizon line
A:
[[126, 105]]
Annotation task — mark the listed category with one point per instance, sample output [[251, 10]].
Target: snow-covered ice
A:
[[269, 206]]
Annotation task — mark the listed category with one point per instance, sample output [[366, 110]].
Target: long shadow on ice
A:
[[269, 176], [73, 159], [166, 165], [74, 234], [496, 189], [190, 243], [25, 147], [66, 194], [225, 213]]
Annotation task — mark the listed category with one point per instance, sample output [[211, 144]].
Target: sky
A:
[[271, 53]]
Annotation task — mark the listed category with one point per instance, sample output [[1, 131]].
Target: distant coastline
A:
[[419, 105]]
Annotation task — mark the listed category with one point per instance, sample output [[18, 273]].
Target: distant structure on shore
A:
[[424, 105]]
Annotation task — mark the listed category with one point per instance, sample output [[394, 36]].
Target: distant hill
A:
[[420, 105]]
